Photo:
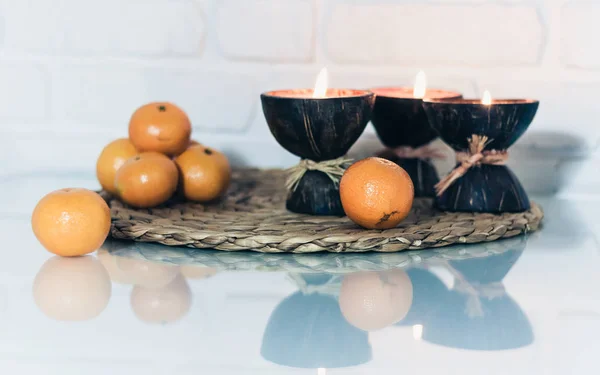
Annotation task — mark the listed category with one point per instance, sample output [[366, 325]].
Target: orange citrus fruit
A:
[[205, 173], [71, 222], [72, 289], [147, 180], [113, 156], [376, 193], [374, 300], [161, 127]]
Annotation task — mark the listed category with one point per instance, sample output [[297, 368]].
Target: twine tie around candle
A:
[[330, 288], [407, 152], [476, 292], [473, 157], [334, 169]]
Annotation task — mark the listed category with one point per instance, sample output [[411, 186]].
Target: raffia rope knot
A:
[[407, 152], [476, 292], [473, 157], [334, 169]]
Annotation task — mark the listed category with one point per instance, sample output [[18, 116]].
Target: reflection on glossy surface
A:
[[309, 331], [332, 263], [146, 273], [164, 304], [72, 288], [109, 261], [452, 298], [374, 300], [476, 312], [197, 272], [325, 324]]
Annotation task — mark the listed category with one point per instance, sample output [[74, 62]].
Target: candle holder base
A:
[[485, 188], [316, 194]]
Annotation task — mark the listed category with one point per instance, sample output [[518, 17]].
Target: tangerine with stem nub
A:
[[160, 127], [113, 156], [71, 222], [147, 180]]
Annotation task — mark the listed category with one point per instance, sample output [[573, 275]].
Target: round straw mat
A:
[[252, 216]]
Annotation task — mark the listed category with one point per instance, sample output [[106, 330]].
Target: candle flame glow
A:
[[321, 371], [320, 90], [417, 331], [420, 85], [487, 98]]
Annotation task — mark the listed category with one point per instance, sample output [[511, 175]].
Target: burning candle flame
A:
[[320, 90], [487, 98], [321, 371], [420, 85]]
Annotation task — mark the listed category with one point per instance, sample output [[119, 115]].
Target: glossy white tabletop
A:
[[529, 305]]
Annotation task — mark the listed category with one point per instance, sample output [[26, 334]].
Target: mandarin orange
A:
[[147, 180], [71, 222], [161, 127], [205, 173], [376, 193], [113, 156]]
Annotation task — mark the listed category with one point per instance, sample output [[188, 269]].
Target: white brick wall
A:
[[72, 71]]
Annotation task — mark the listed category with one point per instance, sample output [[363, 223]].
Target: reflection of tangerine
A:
[[71, 222], [162, 305], [147, 180], [376, 193], [109, 262], [113, 156], [205, 173], [374, 300], [72, 288], [146, 273], [160, 127], [196, 272]]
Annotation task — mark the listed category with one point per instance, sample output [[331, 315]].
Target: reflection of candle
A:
[[487, 98], [417, 332], [320, 90]]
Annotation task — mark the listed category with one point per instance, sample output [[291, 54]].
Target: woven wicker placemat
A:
[[253, 217]]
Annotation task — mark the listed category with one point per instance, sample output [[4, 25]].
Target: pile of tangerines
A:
[[159, 158], [145, 170]]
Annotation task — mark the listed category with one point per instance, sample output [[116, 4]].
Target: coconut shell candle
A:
[[402, 126], [481, 131], [319, 126]]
